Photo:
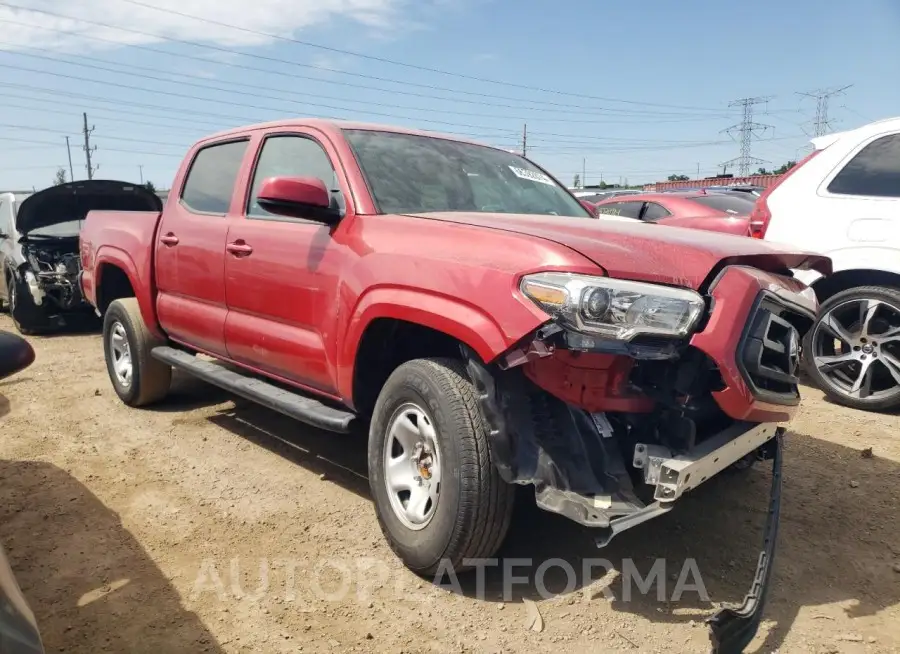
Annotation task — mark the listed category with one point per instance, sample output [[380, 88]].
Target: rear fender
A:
[[450, 316], [110, 256]]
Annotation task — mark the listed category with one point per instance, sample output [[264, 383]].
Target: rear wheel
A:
[[439, 498], [853, 350], [136, 376]]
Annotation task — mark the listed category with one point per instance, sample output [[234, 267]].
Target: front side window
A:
[[414, 174], [210, 181], [875, 171], [291, 156]]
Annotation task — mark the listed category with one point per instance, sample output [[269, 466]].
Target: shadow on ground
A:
[[834, 545], [90, 584]]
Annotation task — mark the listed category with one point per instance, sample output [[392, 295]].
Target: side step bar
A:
[[299, 407]]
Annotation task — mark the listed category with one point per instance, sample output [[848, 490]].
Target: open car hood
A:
[[646, 252], [72, 201]]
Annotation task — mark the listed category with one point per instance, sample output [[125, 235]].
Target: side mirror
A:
[[297, 197], [590, 207], [15, 354], [4, 234]]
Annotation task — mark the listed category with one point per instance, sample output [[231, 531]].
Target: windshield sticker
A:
[[530, 175]]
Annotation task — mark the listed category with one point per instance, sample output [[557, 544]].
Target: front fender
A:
[[451, 316], [140, 282]]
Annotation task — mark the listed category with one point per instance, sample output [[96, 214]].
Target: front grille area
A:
[[769, 354]]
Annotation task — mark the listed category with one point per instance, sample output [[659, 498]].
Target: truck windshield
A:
[[407, 173]]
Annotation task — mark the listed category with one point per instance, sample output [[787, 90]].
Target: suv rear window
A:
[[733, 204], [626, 209], [875, 171]]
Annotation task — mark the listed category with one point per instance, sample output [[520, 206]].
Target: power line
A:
[[405, 64], [821, 123], [556, 107], [747, 130], [432, 87]]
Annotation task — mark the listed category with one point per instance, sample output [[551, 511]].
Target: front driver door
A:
[[282, 274]]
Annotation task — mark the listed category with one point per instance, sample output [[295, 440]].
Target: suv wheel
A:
[[438, 496], [853, 350], [21, 310], [137, 377]]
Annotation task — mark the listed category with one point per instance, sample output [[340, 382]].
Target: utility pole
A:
[[141, 168], [821, 124], [583, 172], [747, 130], [88, 150], [71, 170], [524, 139], [698, 170]]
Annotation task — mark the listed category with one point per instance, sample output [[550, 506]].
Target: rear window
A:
[[875, 171], [210, 181], [733, 204], [626, 209]]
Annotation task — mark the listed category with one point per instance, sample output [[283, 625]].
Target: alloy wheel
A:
[[856, 349]]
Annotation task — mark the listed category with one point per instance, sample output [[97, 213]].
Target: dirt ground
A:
[[208, 524]]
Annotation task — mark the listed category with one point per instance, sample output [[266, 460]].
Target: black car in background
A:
[[39, 258]]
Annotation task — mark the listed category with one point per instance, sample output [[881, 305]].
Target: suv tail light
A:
[[761, 215]]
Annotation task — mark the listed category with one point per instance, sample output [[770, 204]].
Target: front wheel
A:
[[136, 376], [852, 351], [439, 498]]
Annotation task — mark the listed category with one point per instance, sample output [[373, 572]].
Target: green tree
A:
[[678, 178], [784, 168], [763, 171], [576, 183], [150, 186], [60, 177]]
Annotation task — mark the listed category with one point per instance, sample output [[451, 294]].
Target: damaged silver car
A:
[[39, 257]]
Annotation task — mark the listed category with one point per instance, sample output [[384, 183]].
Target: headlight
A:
[[614, 308]]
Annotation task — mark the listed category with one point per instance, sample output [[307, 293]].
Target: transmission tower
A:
[[747, 130], [822, 124]]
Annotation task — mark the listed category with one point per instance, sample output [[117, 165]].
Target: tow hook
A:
[[732, 629]]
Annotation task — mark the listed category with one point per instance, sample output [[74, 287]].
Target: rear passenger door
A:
[[190, 248]]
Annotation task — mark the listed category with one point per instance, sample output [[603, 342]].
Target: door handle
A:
[[169, 239], [239, 248]]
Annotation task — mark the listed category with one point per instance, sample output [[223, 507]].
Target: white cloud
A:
[[281, 17]]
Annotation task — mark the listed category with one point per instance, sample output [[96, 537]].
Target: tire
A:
[[840, 395], [22, 309], [149, 378], [472, 514]]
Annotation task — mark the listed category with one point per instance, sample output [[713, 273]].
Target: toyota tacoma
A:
[[459, 301]]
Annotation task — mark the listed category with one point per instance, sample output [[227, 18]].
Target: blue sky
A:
[[630, 91]]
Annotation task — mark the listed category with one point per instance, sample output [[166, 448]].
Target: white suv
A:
[[843, 200]]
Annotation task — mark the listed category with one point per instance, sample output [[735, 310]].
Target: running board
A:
[[300, 407]]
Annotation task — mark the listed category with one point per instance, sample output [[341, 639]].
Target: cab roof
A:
[[328, 125]]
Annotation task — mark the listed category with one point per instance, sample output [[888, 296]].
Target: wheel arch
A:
[[843, 280]]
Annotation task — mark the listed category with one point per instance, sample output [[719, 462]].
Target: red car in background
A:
[[716, 211]]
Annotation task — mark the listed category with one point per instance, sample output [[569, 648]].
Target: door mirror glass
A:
[[297, 197]]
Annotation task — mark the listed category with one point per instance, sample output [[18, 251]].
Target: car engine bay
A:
[[51, 273]]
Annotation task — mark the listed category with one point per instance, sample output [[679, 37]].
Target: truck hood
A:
[[647, 252], [72, 201]]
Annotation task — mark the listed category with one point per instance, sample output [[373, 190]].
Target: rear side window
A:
[[875, 171], [626, 209], [210, 181], [655, 212], [733, 204]]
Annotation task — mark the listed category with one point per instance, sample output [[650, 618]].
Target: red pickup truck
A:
[[466, 307]]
